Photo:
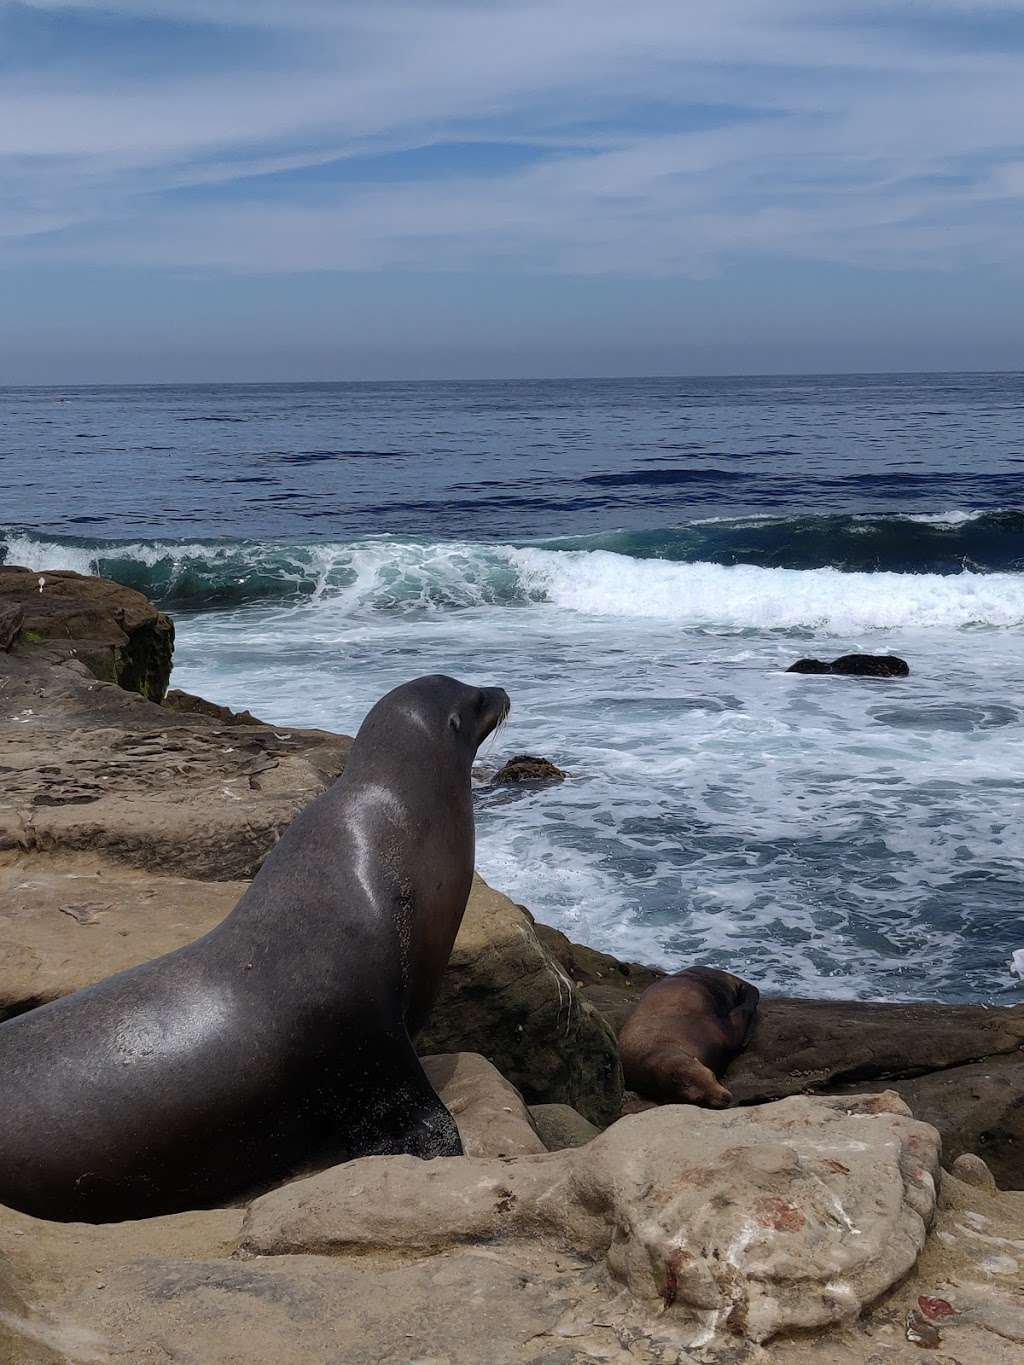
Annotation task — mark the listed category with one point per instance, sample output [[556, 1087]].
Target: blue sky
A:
[[234, 189]]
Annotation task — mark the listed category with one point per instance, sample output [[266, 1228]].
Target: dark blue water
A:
[[503, 460], [637, 562]]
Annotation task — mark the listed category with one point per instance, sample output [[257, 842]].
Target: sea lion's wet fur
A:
[[684, 1032], [280, 1042]]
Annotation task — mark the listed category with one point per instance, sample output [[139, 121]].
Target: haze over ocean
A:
[[637, 562]]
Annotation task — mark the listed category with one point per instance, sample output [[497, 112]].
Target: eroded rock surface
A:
[[735, 1226]]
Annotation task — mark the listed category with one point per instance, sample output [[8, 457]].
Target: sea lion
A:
[[280, 1042], [684, 1032]]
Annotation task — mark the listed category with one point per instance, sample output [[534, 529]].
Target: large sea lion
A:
[[684, 1032], [280, 1042]]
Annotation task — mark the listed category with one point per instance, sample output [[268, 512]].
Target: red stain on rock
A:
[[936, 1309], [773, 1212]]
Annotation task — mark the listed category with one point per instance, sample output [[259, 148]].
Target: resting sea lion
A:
[[684, 1032], [279, 1043]]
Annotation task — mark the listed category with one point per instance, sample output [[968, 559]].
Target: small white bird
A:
[[41, 582]]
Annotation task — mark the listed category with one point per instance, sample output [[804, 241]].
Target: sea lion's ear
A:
[[455, 721]]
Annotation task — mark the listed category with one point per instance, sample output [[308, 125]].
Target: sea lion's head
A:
[[436, 710]]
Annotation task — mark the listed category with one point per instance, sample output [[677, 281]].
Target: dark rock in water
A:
[[856, 666], [527, 768], [871, 666], [810, 666], [114, 631]]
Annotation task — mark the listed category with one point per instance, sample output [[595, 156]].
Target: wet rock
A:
[[560, 1126], [507, 998], [116, 632], [730, 1227], [527, 768], [856, 666], [490, 1114]]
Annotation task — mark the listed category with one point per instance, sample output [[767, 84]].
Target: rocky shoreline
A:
[[130, 821]]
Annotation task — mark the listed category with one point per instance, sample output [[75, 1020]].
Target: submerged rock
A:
[[856, 666]]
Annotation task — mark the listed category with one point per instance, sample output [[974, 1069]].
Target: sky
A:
[[322, 189]]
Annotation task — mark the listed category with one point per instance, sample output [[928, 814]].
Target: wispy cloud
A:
[[659, 138]]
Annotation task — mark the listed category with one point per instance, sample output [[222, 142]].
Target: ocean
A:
[[637, 562]]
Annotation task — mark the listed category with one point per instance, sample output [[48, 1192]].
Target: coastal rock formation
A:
[[527, 768], [856, 666], [734, 1227], [116, 632]]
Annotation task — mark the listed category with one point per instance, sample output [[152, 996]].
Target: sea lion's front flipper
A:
[[408, 1118]]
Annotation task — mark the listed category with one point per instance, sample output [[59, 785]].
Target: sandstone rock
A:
[[560, 1126], [66, 923], [736, 1226], [527, 768], [116, 632], [506, 998], [971, 1170], [490, 1114], [93, 768]]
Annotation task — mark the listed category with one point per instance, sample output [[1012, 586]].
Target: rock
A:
[[23, 1334], [92, 768], [507, 998], [527, 768], [734, 1227], [560, 1126], [808, 1045], [856, 666], [979, 1110], [971, 1170], [809, 666], [116, 632], [490, 1114], [187, 703], [11, 620], [66, 923], [611, 986]]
